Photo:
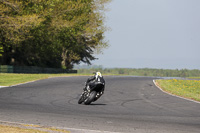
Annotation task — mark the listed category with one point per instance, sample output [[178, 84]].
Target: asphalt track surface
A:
[[129, 105]]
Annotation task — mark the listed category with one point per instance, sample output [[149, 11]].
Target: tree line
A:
[[51, 33], [143, 72]]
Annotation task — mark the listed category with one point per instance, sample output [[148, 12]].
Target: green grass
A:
[[13, 79], [184, 88]]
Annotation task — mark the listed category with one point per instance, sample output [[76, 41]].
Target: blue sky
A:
[[152, 34]]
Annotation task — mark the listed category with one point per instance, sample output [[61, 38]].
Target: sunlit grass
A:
[[7, 79], [20, 128], [185, 88], [12, 129]]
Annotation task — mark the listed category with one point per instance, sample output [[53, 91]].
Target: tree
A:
[[51, 33]]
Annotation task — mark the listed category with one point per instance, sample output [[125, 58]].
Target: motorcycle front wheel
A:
[[90, 98], [81, 99]]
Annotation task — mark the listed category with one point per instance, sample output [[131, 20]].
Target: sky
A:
[[163, 34]]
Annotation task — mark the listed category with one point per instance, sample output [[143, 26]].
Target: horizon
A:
[[161, 34]]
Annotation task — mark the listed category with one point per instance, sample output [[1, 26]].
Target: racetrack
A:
[[130, 104]]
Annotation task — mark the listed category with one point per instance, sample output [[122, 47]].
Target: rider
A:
[[96, 79]]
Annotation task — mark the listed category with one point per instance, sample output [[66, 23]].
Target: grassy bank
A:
[[184, 88], [13, 79]]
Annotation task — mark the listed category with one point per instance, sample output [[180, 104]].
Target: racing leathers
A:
[[93, 81]]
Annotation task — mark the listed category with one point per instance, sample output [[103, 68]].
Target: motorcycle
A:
[[90, 95]]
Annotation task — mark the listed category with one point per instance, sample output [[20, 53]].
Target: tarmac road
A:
[[129, 105]]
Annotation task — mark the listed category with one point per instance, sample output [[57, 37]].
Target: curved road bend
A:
[[130, 104]]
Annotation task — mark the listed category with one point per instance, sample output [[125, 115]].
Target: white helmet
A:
[[98, 74]]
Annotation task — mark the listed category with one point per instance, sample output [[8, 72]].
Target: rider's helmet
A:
[[98, 74]]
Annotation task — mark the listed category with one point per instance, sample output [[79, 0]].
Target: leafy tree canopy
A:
[[51, 33]]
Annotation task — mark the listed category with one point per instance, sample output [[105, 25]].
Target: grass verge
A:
[[9, 129], [19, 128], [184, 88], [8, 79]]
